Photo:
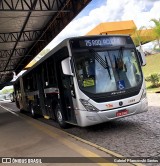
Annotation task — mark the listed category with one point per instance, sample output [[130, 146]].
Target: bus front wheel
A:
[[60, 117]]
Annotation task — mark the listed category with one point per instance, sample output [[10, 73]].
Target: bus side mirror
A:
[[142, 57], [66, 66]]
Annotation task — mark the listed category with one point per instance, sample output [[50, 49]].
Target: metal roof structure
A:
[[27, 26]]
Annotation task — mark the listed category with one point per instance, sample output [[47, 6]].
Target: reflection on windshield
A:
[[106, 71]]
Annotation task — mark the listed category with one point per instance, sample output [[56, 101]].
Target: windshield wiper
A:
[[102, 62], [108, 68]]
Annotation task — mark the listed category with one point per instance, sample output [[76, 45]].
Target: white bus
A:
[[85, 81]]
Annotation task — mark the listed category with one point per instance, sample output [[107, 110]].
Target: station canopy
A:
[[27, 26], [125, 28]]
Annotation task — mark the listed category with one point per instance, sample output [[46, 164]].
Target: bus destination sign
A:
[[99, 42]]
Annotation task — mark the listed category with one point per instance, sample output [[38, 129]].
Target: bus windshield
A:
[[102, 71]]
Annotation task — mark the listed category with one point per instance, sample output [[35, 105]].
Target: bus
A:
[[85, 81], [12, 97]]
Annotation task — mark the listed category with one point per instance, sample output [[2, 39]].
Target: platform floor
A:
[[22, 136]]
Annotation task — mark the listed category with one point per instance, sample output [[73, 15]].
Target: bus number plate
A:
[[122, 113]]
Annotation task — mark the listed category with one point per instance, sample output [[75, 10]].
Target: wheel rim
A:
[[59, 116], [32, 111]]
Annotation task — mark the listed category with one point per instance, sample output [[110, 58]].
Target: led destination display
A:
[[100, 42]]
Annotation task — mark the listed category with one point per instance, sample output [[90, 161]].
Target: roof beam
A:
[[13, 36], [58, 13], [5, 76], [26, 5], [21, 32], [11, 64], [56, 24], [16, 52]]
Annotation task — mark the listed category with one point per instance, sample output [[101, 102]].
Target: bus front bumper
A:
[[91, 118]]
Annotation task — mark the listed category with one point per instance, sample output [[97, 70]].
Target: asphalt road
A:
[[137, 135]]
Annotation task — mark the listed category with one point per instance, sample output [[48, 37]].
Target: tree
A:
[[156, 30], [154, 79], [5, 91], [137, 37]]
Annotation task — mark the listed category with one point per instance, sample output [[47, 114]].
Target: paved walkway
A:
[[153, 99], [22, 136]]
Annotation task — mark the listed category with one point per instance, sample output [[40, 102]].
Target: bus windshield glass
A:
[[104, 70]]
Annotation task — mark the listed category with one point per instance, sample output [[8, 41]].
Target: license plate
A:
[[122, 113]]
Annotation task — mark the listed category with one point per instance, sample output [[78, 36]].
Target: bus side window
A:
[[30, 82], [45, 75], [51, 73], [34, 82], [25, 81]]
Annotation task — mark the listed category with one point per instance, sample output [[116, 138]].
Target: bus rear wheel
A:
[[60, 118], [33, 114]]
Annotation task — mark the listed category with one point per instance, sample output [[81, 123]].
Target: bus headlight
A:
[[88, 106], [144, 95]]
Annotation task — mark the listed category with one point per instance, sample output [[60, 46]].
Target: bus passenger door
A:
[[65, 84]]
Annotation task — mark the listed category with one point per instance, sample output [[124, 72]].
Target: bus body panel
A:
[[86, 118], [134, 105], [67, 91]]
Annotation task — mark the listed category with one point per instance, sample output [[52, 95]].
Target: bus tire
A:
[[33, 114], [21, 110], [60, 118]]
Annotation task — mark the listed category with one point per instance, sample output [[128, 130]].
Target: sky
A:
[[98, 11]]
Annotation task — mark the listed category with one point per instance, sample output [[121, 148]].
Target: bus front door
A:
[[65, 84]]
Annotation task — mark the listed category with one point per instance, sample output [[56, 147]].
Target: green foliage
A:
[[154, 79], [138, 40], [6, 91], [156, 49], [152, 66], [156, 29]]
